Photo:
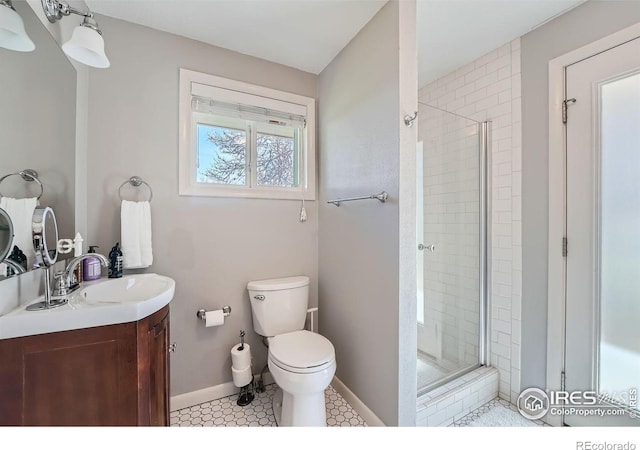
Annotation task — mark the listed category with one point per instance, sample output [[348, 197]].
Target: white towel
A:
[[20, 211], [135, 234]]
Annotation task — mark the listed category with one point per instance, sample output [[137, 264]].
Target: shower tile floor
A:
[[428, 371], [225, 412], [496, 413]]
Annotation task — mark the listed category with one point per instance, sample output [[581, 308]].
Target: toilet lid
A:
[[301, 349]]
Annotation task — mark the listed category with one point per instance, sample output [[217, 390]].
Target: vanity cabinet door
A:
[[80, 377], [153, 354], [115, 375]]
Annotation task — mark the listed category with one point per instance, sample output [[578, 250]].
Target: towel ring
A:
[[27, 175], [135, 182]]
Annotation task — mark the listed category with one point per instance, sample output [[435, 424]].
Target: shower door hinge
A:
[[565, 107], [565, 245]]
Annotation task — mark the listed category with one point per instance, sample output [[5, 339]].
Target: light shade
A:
[[87, 46], [12, 33]]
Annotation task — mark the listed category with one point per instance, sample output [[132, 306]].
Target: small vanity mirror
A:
[[6, 234], [45, 236]]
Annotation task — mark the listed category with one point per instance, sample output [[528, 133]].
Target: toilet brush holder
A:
[[246, 395]]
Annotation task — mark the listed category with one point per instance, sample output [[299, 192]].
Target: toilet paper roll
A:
[[214, 318], [241, 359], [241, 377]]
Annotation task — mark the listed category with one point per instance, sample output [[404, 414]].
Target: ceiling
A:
[[305, 34], [308, 34], [452, 33]]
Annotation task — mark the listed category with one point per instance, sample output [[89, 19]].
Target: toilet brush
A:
[[241, 340]]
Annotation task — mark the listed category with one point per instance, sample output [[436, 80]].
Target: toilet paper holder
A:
[[202, 313]]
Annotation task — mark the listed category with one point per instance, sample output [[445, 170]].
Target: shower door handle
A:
[[430, 247]]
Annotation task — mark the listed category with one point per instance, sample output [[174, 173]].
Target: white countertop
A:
[[88, 307]]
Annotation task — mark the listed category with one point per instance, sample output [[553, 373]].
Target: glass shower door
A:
[[449, 246]]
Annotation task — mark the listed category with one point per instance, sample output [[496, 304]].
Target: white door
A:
[[602, 351]]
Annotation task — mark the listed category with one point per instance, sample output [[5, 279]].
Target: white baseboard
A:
[[208, 394], [363, 410]]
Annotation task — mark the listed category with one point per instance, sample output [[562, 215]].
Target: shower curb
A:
[[452, 401]]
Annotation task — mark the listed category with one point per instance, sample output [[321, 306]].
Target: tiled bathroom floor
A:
[[225, 412], [496, 413]]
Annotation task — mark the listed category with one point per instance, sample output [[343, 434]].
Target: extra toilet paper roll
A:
[[214, 318], [241, 377], [241, 359]]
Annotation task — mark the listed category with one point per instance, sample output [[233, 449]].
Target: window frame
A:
[[188, 149]]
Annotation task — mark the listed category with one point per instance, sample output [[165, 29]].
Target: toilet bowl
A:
[[302, 365]]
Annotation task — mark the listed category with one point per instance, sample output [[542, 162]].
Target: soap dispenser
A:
[[115, 262], [91, 268]]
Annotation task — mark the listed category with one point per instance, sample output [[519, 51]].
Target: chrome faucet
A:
[[62, 286], [62, 281], [71, 266]]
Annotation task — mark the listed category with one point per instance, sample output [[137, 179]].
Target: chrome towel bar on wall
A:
[[382, 197], [135, 181], [27, 175]]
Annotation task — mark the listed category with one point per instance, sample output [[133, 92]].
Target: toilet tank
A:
[[279, 305]]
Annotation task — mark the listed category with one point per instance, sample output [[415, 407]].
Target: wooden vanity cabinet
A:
[[153, 369], [114, 375]]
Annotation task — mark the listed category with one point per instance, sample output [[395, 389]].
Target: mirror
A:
[[45, 237], [38, 130], [6, 234]]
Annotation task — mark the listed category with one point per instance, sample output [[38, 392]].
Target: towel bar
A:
[[27, 175], [135, 181], [382, 197]]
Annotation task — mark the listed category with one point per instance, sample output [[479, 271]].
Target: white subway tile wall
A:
[[489, 89]]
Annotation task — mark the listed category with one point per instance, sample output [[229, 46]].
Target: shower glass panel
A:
[[451, 272]]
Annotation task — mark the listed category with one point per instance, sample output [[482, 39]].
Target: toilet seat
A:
[[301, 352]]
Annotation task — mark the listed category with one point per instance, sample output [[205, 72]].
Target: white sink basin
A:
[[133, 288], [106, 301]]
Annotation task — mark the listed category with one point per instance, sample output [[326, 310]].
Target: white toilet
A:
[[302, 363]]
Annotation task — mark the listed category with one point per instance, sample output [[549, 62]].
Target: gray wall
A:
[[211, 246], [360, 99], [587, 23]]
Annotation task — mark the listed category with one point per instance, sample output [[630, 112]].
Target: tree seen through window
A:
[[276, 158]]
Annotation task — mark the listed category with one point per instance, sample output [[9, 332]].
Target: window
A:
[[241, 140]]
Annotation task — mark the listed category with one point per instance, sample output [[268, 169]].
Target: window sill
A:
[[231, 192]]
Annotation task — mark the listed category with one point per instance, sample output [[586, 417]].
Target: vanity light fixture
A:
[[12, 33], [86, 44]]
